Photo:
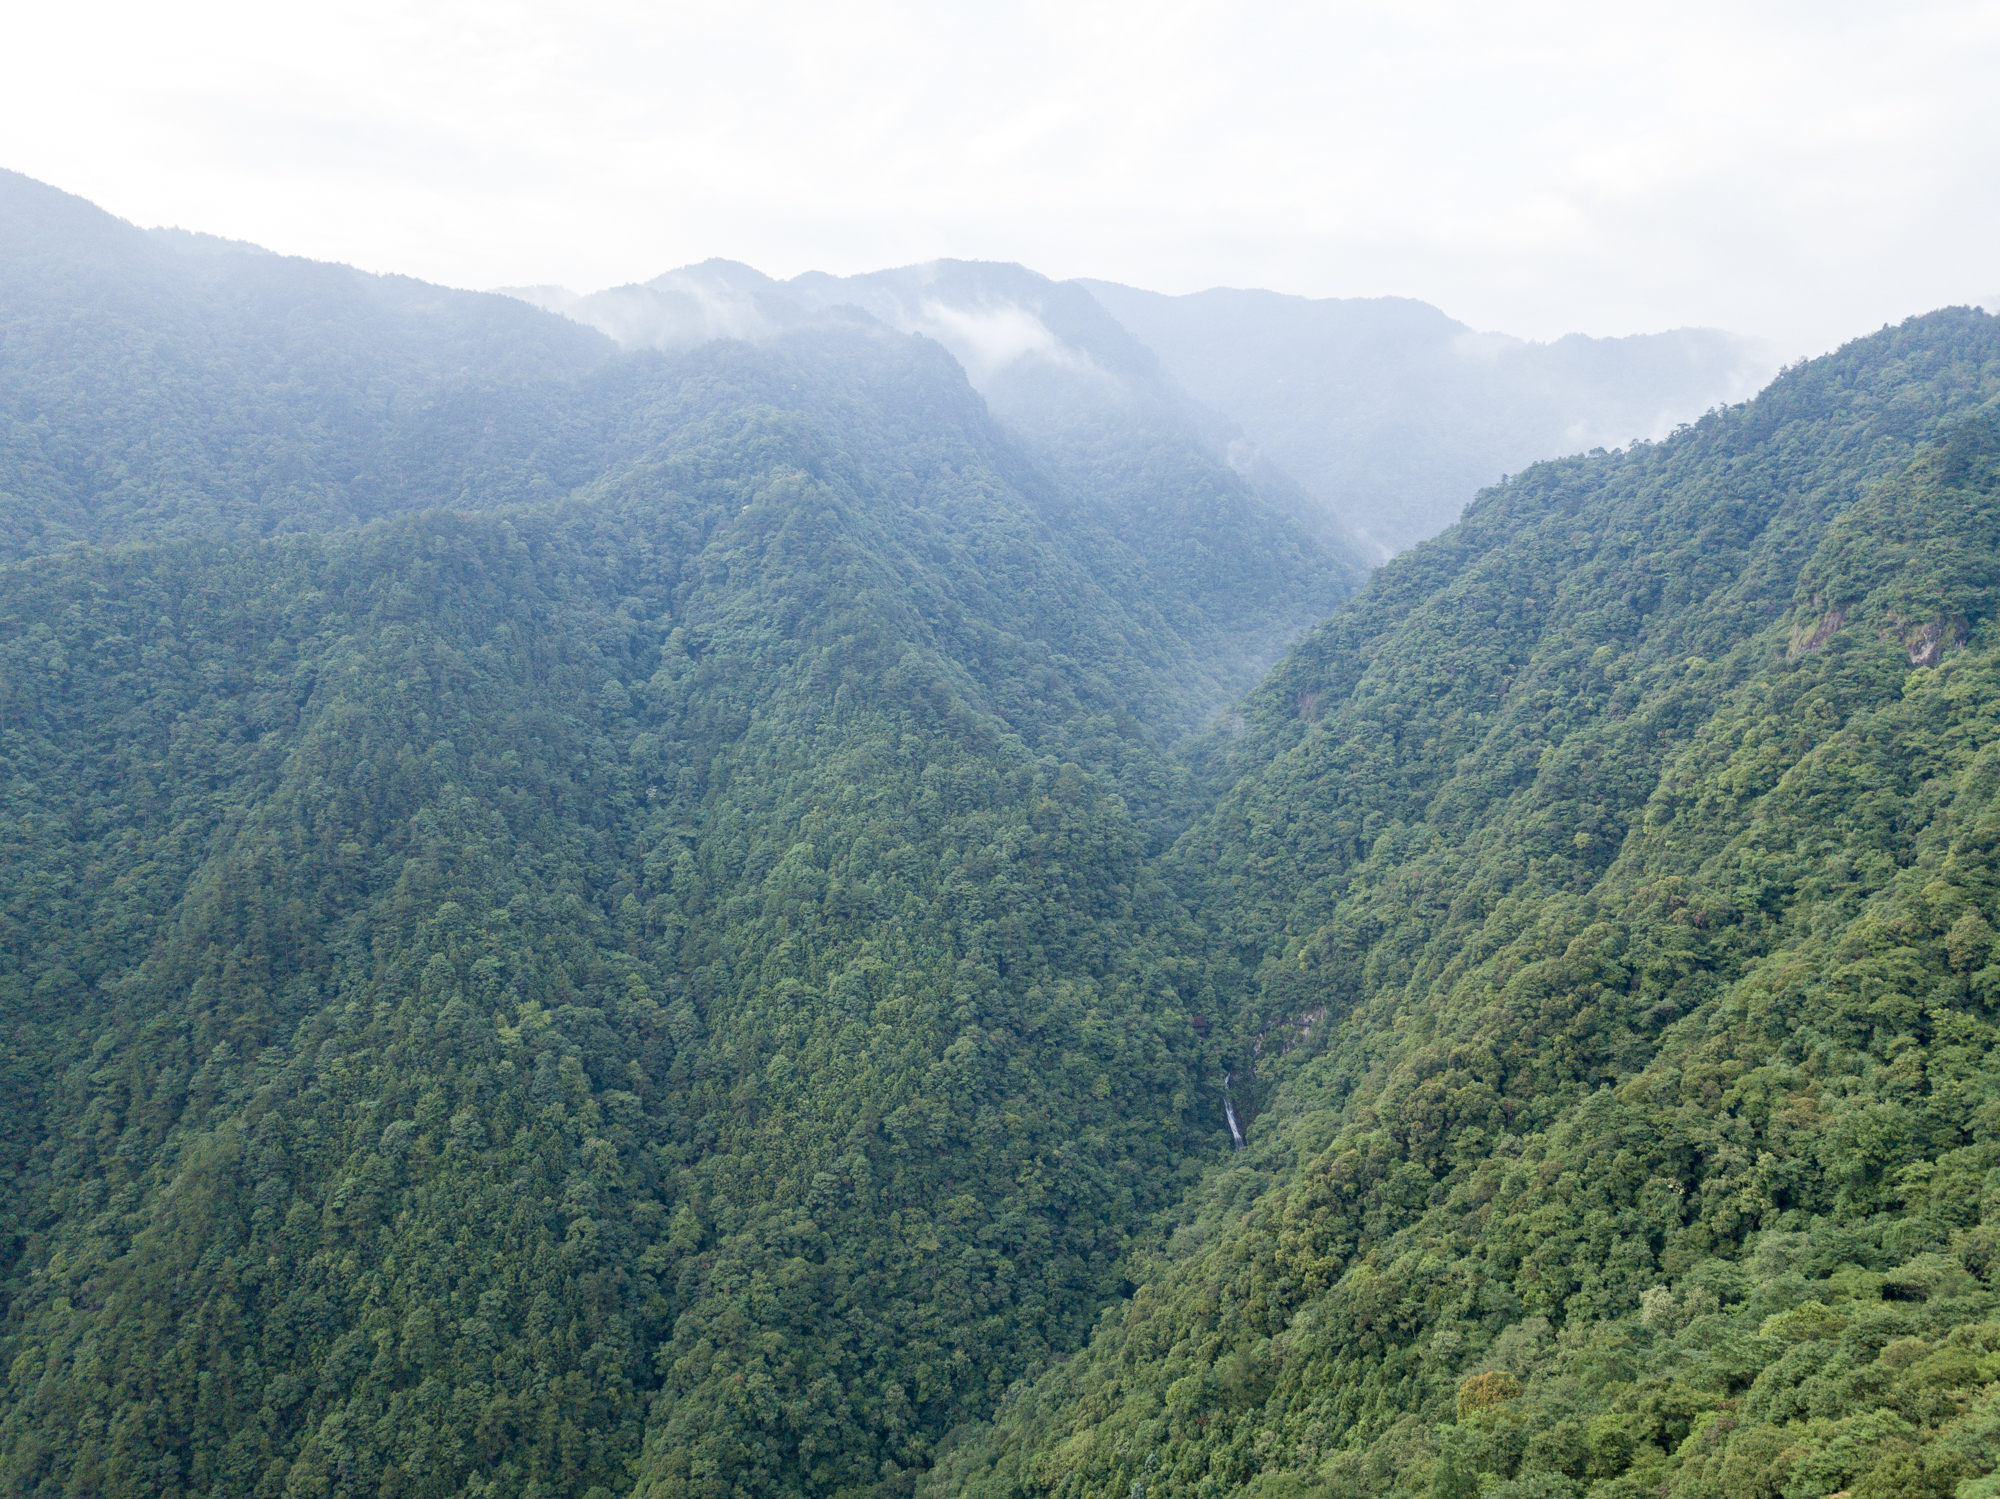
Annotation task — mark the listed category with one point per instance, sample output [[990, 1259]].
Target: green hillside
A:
[[1611, 907], [685, 924], [651, 947], [470, 979]]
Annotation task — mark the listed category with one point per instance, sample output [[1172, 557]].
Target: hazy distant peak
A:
[[681, 309], [1393, 414], [995, 317], [1004, 323], [717, 273]]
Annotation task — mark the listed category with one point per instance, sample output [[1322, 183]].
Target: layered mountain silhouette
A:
[[1371, 420]]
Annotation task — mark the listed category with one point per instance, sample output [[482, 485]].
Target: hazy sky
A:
[[1805, 171]]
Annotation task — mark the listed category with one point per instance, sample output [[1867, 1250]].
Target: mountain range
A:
[[1371, 419], [843, 893]]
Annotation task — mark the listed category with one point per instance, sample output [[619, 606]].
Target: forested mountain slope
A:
[[169, 384], [474, 977], [644, 976], [1057, 370], [1611, 901], [161, 384], [587, 922]]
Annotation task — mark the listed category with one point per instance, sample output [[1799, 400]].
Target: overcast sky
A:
[[1803, 172]]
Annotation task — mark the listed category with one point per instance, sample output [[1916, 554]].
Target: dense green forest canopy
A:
[[664, 915], [591, 922], [1610, 902]]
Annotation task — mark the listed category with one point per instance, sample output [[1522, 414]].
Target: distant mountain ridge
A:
[[1045, 354], [1373, 420], [1394, 415], [1090, 399], [164, 383], [679, 310]]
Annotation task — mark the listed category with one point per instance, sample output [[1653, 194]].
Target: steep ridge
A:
[[1610, 907], [1392, 414]]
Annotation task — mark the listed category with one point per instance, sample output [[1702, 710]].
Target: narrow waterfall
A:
[[1229, 1111]]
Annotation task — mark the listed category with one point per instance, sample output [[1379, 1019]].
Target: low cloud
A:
[[988, 339]]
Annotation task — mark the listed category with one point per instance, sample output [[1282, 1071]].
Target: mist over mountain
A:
[[167, 384], [1045, 355], [1372, 421], [681, 309], [1393, 415], [1111, 429], [841, 890]]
